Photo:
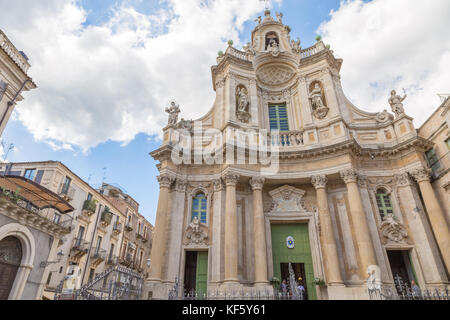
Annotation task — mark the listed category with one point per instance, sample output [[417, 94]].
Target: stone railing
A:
[[239, 54], [286, 139], [308, 52], [13, 53]]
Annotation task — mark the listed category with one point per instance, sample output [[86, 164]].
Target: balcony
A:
[[112, 260], [128, 226], [117, 228], [79, 248], [127, 260], [141, 237], [98, 255], [106, 218], [66, 192], [89, 207]]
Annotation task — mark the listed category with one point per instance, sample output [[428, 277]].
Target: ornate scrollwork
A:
[[421, 174], [218, 185], [349, 175], [165, 181], [288, 199], [392, 230], [319, 181], [196, 233]]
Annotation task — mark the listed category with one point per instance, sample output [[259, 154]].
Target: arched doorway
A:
[[10, 259]]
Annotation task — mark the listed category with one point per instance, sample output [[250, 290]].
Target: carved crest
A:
[[196, 233], [288, 199], [392, 230]]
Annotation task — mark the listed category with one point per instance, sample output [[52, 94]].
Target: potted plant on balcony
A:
[[89, 207], [106, 217]]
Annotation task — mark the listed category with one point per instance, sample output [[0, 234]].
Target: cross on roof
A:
[[266, 2]]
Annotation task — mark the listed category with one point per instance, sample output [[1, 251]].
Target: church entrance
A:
[[401, 268], [196, 271], [290, 244], [10, 258]]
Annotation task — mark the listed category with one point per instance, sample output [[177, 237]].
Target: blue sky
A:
[[106, 70], [131, 166]]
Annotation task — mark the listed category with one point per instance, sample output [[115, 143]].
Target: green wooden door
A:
[[301, 253], [201, 281]]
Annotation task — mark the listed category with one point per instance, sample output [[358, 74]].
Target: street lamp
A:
[[59, 256], [148, 262]]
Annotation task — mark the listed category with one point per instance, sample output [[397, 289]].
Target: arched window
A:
[[199, 207], [384, 203]]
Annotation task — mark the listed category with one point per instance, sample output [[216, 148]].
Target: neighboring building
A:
[[13, 78], [137, 240], [344, 192], [33, 220], [93, 244], [437, 130]]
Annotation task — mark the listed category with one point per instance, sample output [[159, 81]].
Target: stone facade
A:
[[14, 80], [358, 180]]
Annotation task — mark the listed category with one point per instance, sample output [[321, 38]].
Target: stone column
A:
[[160, 239], [231, 234], [330, 255], [363, 241], [259, 232], [435, 213]]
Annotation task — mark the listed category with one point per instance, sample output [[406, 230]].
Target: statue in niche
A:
[[242, 104], [280, 17], [396, 103], [194, 225], [173, 110], [274, 49], [320, 110]]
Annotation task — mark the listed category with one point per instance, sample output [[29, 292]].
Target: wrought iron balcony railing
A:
[[98, 253], [80, 245]]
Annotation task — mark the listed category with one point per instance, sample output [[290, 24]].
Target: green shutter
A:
[[278, 118], [201, 281]]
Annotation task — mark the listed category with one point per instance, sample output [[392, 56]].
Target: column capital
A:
[[319, 181], [231, 179], [349, 175], [421, 174], [402, 180], [180, 185], [165, 181], [257, 183], [218, 184]]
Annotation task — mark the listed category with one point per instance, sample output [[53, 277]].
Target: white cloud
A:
[[112, 81], [392, 44]]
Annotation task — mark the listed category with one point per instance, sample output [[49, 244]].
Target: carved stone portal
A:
[[392, 230], [196, 233], [288, 199]]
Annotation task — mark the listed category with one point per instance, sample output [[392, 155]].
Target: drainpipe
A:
[[92, 241], [11, 103]]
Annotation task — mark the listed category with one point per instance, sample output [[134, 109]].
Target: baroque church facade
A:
[[350, 195]]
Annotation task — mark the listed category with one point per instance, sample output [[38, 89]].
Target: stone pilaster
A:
[[231, 234], [217, 244], [330, 255], [435, 213], [259, 232], [160, 239], [363, 241]]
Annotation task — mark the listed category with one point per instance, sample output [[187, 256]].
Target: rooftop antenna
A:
[[266, 4], [6, 149], [89, 179], [104, 176]]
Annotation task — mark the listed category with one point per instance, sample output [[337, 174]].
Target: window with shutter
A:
[[199, 207], [278, 118], [384, 203]]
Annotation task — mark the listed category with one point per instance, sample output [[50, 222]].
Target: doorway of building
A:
[[290, 244], [401, 268], [196, 272], [299, 271], [10, 258]]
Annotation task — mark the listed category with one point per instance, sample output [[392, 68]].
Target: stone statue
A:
[[194, 225], [280, 17], [185, 124], [173, 112], [320, 111], [242, 98], [396, 103], [248, 48], [295, 45], [258, 20], [242, 104], [273, 47]]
